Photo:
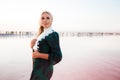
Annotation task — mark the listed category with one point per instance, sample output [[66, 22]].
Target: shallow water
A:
[[84, 58]]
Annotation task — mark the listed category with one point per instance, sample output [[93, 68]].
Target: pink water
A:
[[84, 58]]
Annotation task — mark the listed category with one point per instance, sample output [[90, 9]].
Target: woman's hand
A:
[[33, 42], [35, 54]]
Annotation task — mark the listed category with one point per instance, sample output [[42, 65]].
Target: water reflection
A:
[[84, 58]]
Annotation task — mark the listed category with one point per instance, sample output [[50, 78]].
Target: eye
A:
[[42, 18], [48, 18]]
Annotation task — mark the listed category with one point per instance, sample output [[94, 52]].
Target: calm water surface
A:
[[84, 58]]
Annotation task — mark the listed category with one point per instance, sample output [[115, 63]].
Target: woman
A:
[[46, 49]]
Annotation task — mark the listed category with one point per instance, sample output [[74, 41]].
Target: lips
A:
[[46, 23]]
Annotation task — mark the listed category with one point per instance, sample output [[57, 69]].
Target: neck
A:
[[47, 28]]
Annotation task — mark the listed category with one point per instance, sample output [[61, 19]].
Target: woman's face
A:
[[46, 20]]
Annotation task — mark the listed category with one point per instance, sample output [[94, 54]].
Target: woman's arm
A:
[[55, 55], [32, 43]]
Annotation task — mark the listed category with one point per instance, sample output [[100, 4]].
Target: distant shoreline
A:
[[62, 34]]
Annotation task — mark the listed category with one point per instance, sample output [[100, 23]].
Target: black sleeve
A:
[[55, 55]]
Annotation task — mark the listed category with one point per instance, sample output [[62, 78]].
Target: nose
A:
[[45, 20]]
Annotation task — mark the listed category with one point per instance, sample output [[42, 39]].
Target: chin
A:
[[46, 26]]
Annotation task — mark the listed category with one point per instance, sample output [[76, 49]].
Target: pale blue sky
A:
[[69, 15]]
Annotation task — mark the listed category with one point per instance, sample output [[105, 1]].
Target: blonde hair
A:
[[41, 28]]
